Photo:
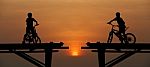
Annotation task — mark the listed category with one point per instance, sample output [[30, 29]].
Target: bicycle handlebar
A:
[[35, 25], [116, 26], [112, 25]]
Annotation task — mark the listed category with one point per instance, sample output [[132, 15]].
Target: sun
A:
[[75, 53], [74, 48]]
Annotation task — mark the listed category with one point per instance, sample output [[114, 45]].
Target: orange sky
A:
[[63, 20], [70, 19], [73, 22]]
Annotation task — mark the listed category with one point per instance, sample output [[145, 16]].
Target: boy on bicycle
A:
[[29, 23], [121, 25]]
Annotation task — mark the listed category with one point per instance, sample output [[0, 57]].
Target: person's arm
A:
[[35, 21], [111, 21]]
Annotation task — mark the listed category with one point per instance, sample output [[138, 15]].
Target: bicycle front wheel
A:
[[110, 38], [131, 38], [37, 40], [27, 39]]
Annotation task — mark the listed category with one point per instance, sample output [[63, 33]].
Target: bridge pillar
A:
[[48, 57], [101, 57]]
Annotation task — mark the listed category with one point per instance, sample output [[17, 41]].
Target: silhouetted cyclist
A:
[[29, 23], [121, 25]]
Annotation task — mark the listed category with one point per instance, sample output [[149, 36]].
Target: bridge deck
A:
[[101, 48], [21, 50], [116, 45], [30, 46]]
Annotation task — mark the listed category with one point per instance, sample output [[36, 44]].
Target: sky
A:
[[73, 22]]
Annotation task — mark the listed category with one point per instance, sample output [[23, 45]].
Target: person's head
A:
[[29, 15], [117, 14]]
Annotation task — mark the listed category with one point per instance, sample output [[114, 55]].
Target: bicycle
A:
[[130, 38], [31, 37]]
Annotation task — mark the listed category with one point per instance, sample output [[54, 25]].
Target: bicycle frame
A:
[[116, 32], [124, 38], [31, 36], [32, 32]]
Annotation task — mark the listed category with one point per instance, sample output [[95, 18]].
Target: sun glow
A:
[[75, 53], [74, 48]]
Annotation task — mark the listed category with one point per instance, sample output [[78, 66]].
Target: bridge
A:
[[101, 48], [22, 50], [127, 49]]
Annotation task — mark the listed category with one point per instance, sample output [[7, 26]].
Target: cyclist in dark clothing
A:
[[29, 23], [121, 25]]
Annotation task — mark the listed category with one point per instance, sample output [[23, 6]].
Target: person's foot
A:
[[126, 42]]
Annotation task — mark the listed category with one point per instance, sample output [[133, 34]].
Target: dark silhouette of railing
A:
[[130, 49], [21, 50]]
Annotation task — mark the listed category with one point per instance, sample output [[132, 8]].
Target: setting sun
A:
[[75, 53], [74, 48]]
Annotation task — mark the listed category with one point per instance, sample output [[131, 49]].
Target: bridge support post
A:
[[48, 57], [101, 57]]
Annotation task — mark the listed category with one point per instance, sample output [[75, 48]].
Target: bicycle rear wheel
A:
[[131, 38]]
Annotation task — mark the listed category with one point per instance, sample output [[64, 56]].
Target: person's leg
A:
[[33, 32], [120, 33], [27, 30], [125, 37]]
